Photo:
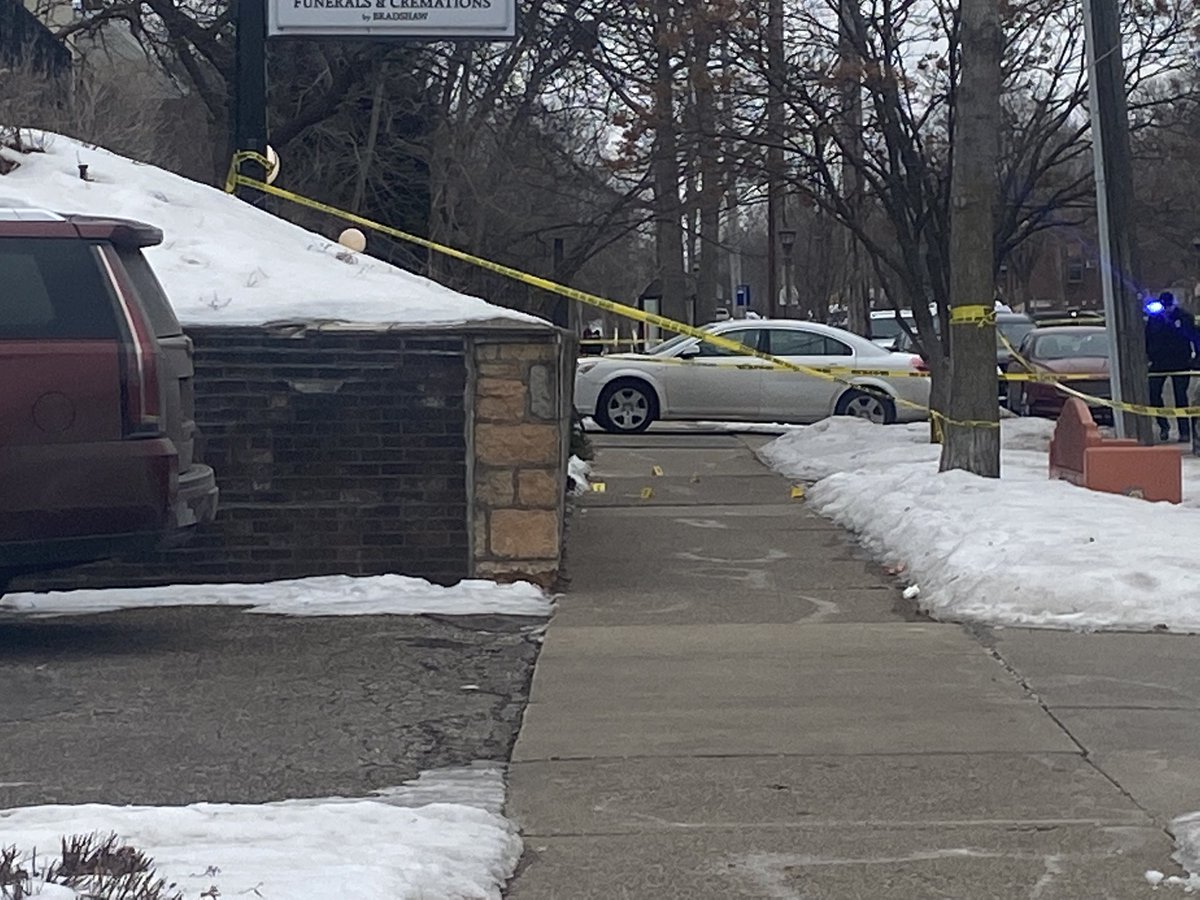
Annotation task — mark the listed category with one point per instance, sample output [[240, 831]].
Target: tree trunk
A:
[[776, 64], [710, 178], [667, 207], [972, 434], [368, 157]]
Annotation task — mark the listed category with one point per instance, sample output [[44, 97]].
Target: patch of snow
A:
[[46, 891], [703, 426], [326, 595], [1186, 830], [1021, 550], [480, 785], [749, 427], [438, 836], [225, 262]]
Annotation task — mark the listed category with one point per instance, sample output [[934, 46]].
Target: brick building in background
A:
[[1057, 269], [1060, 269]]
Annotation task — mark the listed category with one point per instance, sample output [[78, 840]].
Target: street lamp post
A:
[[787, 240]]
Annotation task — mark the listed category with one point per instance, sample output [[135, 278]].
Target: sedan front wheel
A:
[[627, 406], [872, 406]]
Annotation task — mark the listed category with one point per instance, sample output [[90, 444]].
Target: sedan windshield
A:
[[668, 345], [1014, 331], [1081, 343], [888, 327]]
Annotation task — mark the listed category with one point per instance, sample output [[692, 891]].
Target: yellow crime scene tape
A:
[[979, 315], [235, 179], [972, 315]]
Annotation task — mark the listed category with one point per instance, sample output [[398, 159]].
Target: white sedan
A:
[[688, 379]]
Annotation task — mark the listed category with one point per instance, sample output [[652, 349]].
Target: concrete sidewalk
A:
[[733, 701]]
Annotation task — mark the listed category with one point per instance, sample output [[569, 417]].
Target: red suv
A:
[[97, 437]]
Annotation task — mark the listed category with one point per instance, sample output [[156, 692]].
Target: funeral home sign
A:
[[415, 19]]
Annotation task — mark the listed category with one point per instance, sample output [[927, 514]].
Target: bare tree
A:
[[905, 61], [972, 432]]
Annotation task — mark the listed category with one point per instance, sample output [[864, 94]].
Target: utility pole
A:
[[1111, 156], [250, 90], [775, 78], [974, 443]]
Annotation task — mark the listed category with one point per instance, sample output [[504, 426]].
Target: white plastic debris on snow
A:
[[326, 595], [225, 262], [437, 837], [578, 471], [1022, 550]]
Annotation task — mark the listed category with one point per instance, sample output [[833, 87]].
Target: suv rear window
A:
[[154, 300], [52, 288]]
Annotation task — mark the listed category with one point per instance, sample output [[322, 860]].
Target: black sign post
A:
[[250, 90]]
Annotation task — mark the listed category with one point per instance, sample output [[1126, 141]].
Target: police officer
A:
[[1170, 339]]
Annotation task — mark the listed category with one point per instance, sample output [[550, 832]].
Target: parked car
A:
[[687, 379], [1013, 326], [1053, 317], [1062, 350], [97, 436], [886, 326]]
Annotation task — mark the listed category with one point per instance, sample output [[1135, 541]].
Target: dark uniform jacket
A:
[[1170, 337]]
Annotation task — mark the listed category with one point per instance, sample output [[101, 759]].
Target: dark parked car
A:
[[1061, 350], [97, 437], [1071, 316], [1014, 327]]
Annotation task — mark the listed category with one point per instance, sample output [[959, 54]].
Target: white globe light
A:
[[353, 239], [272, 164]]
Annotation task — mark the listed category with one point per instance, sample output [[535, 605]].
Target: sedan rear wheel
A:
[[871, 406], [627, 406]]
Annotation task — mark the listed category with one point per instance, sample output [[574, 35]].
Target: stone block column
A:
[[521, 423]]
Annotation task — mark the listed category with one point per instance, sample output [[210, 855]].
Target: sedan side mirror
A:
[[689, 353]]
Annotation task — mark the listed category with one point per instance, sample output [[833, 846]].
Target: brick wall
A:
[[342, 451]]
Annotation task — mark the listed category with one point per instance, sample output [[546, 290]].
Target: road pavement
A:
[[173, 706]]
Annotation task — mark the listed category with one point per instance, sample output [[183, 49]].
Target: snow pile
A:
[[224, 262], [844, 444], [401, 843], [326, 595], [1022, 550]]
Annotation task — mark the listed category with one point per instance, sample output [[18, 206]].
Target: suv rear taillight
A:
[[140, 392], [919, 364]]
